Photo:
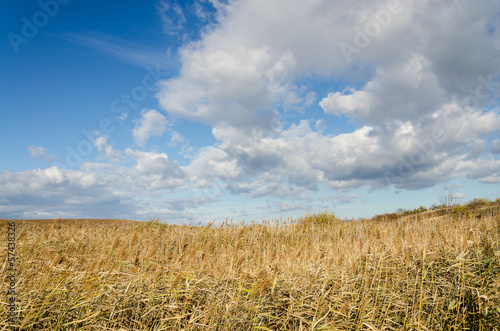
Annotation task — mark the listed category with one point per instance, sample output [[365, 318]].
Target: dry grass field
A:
[[51, 222], [315, 273]]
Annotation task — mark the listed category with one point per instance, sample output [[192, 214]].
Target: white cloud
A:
[[175, 138], [241, 71], [486, 171], [320, 124], [123, 50], [233, 85], [406, 91], [99, 190], [212, 164], [107, 150], [287, 206], [346, 198], [41, 153], [34, 193], [149, 162], [350, 105], [152, 123], [155, 170], [454, 186], [420, 99], [171, 15], [299, 98]]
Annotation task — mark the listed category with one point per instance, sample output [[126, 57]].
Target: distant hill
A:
[[476, 207]]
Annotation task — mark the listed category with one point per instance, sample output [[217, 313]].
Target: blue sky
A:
[[208, 110]]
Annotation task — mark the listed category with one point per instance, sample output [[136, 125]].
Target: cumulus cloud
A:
[[100, 190], [407, 91], [35, 193], [212, 164], [107, 150], [152, 123], [227, 85], [41, 153], [155, 170], [352, 104], [419, 91], [412, 96]]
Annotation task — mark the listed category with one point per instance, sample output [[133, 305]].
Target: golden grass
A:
[[44, 222], [315, 273]]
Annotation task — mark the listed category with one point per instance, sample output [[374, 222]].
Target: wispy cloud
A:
[[454, 186], [38, 152], [178, 19], [172, 16], [175, 138], [122, 50]]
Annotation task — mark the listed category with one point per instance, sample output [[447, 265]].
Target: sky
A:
[[206, 110]]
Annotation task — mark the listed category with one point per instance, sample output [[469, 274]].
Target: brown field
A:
[[44, 222], [315, 273]]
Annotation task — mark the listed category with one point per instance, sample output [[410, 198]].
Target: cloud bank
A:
[[413, 84]]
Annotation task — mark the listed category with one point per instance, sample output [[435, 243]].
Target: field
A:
[[429, 271]]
